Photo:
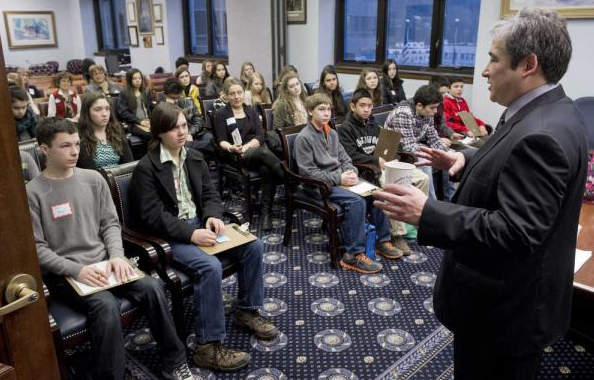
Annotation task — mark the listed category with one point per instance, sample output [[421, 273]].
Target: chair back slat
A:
[[287, 136], [119, 179]]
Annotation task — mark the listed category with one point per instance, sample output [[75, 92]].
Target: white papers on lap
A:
[[363, 188], [580, 259], [236, 135], [84, 290], [467, 140]]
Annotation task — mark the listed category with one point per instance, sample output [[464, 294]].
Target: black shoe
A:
[[266, 221]]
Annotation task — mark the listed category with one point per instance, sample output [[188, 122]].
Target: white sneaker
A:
[[180, 373]]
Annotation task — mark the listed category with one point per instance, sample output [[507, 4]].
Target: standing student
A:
[[256, 91], [391, 84], [289, 108], [75, 225], [24, 118], [320, 155], [134, 105], [252, 150], [176, 200], [510, 233], [369, 80], [103, 141], [330, 87], [217, 79], [247, 69], [64, 103]]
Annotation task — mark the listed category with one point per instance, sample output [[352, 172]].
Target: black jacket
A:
[[224, 125], [510, 233], [155, 201], [359, 139], [86, 161], [392, 95], [126, 114]]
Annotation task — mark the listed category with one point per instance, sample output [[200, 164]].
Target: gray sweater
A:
[[74, 222], [320, 157]]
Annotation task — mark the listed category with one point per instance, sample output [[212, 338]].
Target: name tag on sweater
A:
[[61, 210]]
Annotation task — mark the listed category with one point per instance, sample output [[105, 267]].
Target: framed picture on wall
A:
[[131, 12], [34, 29], [146, 18], [147, 41], [567, 9], [158, 12], [133, 36], [159, 37], [296, 11]]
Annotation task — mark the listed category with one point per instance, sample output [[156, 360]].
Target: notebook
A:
[[83, 289], [387, 145]]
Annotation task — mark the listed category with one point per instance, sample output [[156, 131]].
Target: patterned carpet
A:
[[338, 324]]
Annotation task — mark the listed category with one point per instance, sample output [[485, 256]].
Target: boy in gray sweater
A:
[[320, 155], [75, 225]]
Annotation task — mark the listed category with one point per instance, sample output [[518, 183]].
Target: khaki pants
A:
[[420, 180]]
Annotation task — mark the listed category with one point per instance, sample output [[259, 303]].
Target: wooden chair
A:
[[31, 147], [296, 197]]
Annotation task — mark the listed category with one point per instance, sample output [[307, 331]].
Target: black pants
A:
[[473, 359], [103, 311], [266, 162]]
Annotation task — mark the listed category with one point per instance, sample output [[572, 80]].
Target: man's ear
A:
[[531, 65]]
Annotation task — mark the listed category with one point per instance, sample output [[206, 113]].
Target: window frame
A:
[[187, 36], [410, 72], [101, 50]]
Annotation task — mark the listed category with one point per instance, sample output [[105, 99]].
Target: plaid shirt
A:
[[416, 130]]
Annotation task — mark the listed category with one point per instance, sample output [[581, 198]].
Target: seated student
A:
[[320, 155], [24, 118], [217, 79], [276, 86], [14, 79], [64, 103], [204, 78], [414, 119], [445, 133], [329, 85], [289, 108], [369, 80], [176, 200], [453, 102], [29, 166], [247, 69], [252, 150], [99, 82], [181, 61], [31, 89], [198, 137], [391, 84], [75, 225], [359, 135], [190, 90], [103, 142], [134, 105], [256, 91]]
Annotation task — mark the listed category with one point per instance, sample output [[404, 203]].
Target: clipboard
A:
[[362, 188], [85, 290], [387, 145], [470, 123], [236, 237]]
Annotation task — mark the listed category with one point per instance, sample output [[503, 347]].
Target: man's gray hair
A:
[[539, 31]]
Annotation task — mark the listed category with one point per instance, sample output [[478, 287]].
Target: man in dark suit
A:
[[505, 283]]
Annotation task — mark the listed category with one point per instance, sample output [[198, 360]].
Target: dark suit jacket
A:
[[155, 200], [506, 277]]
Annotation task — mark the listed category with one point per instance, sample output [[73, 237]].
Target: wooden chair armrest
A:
[[324, 188], [235, 217]]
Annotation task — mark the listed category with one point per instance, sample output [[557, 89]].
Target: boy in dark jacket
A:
[[24, 118]]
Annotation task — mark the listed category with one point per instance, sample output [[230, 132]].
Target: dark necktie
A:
[[501, 121]]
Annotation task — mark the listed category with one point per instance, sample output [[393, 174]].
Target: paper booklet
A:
[[236, 135], [84, 290], [363, 188]]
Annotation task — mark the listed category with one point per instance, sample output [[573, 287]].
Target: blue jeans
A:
[[206, 270], [353, 227]]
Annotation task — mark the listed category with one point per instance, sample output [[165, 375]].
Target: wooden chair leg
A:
[[333, 242], [288, 224], [57, 338]]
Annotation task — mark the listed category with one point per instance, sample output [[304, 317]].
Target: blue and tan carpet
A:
[[338, 324]]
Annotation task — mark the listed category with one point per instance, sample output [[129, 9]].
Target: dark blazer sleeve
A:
[[257, 128], [522, 218], [86, 161], [151, 209], [126, 154], [123, 111], [210, 200], [220, 127]]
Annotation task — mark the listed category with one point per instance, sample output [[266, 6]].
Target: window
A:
[[206, 27], [420, 35], [110, 21]]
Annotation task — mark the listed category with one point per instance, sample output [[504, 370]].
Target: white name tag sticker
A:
[[61, 210], [58, 101], [393, 92], [231, 121]]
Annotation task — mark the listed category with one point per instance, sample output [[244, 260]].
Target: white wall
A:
[[69, 33]]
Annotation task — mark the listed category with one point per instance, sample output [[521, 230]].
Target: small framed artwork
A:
[[133, 35], [296, 11], [131, 12], [146, 18], [159, 37], [158, 12], [147, 41], [567, 9], [32, 29]]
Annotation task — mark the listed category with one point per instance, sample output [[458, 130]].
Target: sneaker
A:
[[216, 357], [180, 373], [259, 326], [388, 250], [401, 244], [359, 262]]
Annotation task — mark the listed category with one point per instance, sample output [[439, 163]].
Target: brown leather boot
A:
[[252, 320], [214, 356]]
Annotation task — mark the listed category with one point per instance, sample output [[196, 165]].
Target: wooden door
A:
[[26, 345]]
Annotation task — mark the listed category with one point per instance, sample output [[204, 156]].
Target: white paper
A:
[[467, 140], [85, 289], [222, 238], [580, 259], [362, 187], [236, 135]]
